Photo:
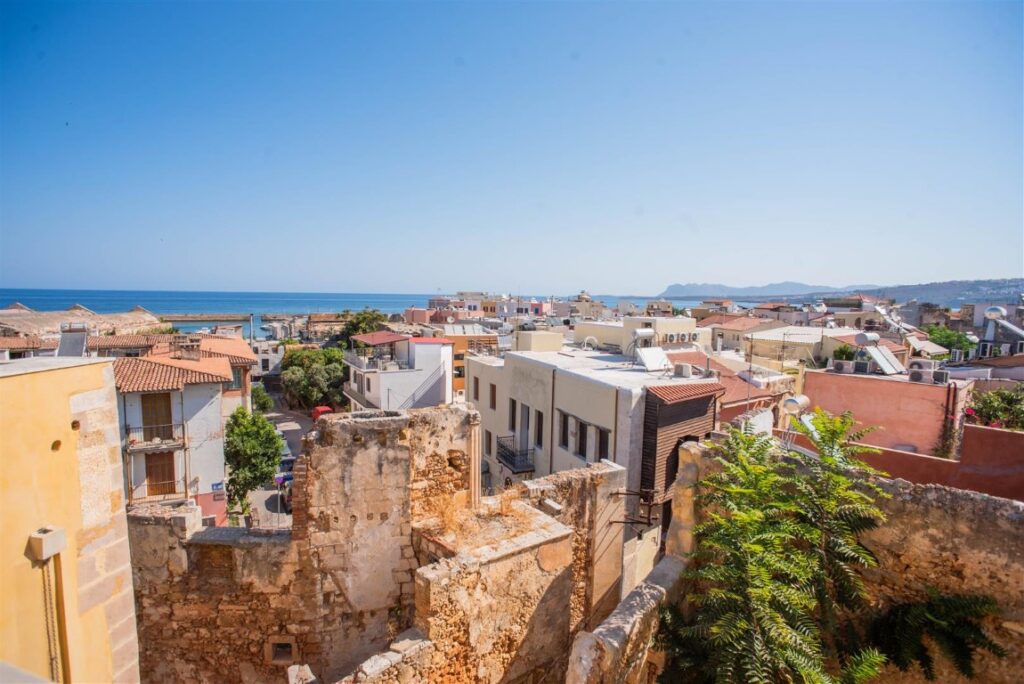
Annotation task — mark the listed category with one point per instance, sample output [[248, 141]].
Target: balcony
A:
[[515, 459], [155, 437], [356, 396], [156, 491], [365, 359]]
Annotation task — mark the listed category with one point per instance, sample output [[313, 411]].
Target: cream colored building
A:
[[642, 331], [544, 412], [68, 610]]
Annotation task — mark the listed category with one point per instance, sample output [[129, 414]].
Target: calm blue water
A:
[[111, 301]]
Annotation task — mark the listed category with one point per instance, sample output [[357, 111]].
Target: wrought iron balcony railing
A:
[[155, 437], [514, 458]]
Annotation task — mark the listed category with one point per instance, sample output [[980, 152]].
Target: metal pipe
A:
[[62, 627]]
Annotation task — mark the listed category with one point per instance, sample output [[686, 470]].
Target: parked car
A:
[[321, 410]]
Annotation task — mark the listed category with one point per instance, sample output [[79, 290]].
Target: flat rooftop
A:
[[800, 334], [896, 377], [605, 367], [39, 364]]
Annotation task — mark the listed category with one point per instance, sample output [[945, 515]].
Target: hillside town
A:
[[490, 488]]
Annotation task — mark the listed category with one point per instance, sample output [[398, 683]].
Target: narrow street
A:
[[266, 502]]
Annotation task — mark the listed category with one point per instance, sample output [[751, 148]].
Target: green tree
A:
[[999, 408], [951, 622], [950, 339], [362, 322], [776, 564], [252, 452], [261, 401], [844, 352], [750, 588]]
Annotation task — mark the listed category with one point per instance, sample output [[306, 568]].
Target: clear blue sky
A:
[[541, 147]]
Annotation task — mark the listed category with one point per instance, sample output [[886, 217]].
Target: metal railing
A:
[[364, 360], [512, 457], [159, 491], [428, 384], [154, 437]]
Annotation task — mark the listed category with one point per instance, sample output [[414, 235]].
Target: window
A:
[[487, 442], [538, 432], [236, 379], [563, 431], [476, 389], [581, 439], [265, 364], [460, 357], [512, 414], [603, 437], [367, 384], [459, 372], [494, 397]]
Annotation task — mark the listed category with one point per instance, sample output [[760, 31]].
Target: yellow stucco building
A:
[[67, 609]]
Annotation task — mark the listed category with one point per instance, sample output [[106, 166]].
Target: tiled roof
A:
[[430, 340], [236, 349], [32, 342], [379, 337], [671, 394], [126, 341], [152, 374], [736, 388]]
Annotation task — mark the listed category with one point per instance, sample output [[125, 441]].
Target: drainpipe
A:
[[62, 621], [551, 436]]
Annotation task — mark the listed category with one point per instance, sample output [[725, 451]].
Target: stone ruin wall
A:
[[208, 599], [509, 611], [337, 588], [954, 540]]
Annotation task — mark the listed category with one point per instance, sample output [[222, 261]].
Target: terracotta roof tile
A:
[[379, 337], [737, 323], [126, 341], [32, 342], [671, 394], [153, 374], [736, 388]]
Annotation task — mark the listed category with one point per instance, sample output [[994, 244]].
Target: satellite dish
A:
[[450, 319], [993, 313]]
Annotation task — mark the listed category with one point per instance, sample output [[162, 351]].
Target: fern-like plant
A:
[[952, 622], [837, 504]]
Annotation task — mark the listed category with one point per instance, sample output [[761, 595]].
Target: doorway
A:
[[160, 473]]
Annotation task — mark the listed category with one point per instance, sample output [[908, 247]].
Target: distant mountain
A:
[[949, 293], [784, 288]]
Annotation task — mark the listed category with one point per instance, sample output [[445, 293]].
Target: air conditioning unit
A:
[[920, 376], [956, 355], [842, 366], [940, 377], [671, 337], [694, 336], [984, 349], [921, 364], [862, 367]]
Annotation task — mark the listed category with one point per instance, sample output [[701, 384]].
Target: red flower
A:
[[970, 412]]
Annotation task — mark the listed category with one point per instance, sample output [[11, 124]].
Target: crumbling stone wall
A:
[[508, 609], [210, 599], [338, 587], [957, 542], [591, 502]]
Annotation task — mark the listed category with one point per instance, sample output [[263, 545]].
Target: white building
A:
[[391, 371], [171, 413], [548, 411]]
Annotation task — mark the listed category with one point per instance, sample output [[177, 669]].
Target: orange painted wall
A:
[[904, 412]]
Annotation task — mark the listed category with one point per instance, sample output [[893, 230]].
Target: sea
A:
[[166, 302]]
